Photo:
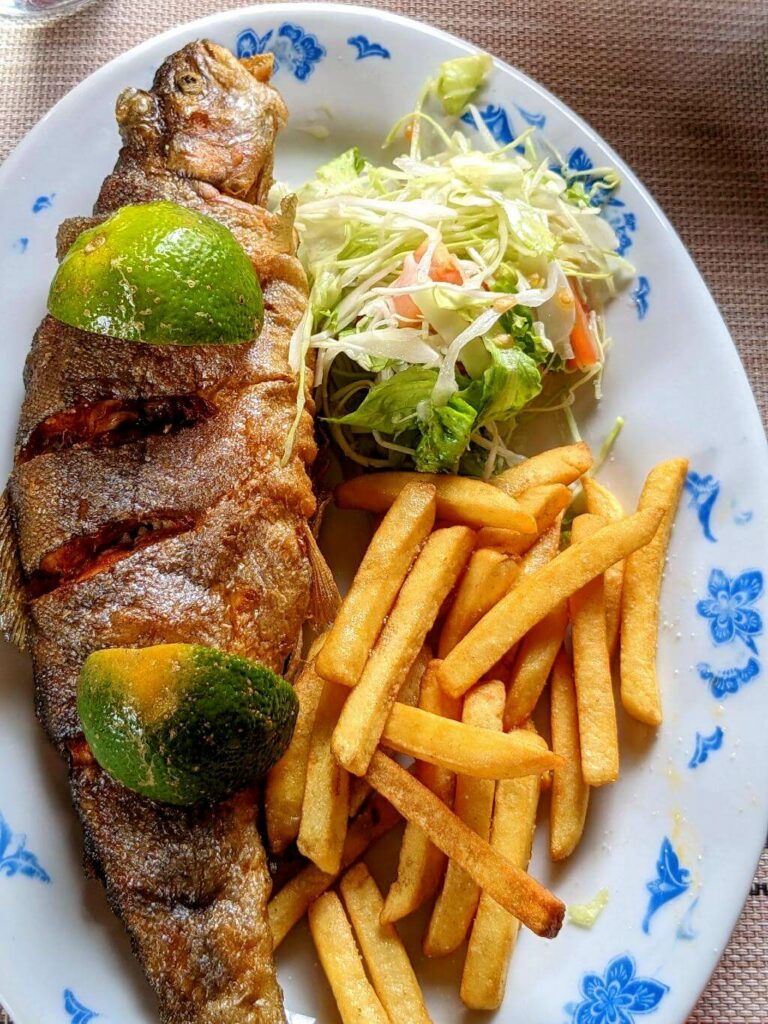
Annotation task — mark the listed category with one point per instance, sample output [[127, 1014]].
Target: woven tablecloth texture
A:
[[678, 87]]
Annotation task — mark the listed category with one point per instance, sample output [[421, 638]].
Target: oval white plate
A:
[[675, 841]]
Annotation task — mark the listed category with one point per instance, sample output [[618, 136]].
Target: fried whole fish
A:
[[149, 503]]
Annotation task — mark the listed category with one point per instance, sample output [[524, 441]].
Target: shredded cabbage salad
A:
[[454, 290]]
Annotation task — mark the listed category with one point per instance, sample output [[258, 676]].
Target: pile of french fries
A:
[[485, 575]]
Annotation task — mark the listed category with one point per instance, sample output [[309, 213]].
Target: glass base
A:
[[39, 12]]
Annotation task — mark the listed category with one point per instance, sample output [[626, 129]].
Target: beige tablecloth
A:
[[677, 86]]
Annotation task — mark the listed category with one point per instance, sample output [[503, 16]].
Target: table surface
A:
[[678, 87]]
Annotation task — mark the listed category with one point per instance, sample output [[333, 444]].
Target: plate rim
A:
[[740, 385]]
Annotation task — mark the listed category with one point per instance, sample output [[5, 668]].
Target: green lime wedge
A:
[[182, 723], [162, 274]]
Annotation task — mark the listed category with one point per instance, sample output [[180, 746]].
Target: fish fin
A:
[[14, 621], [260, 66], [324, 597]]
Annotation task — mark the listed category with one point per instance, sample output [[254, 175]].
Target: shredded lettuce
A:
[[459, 80], [442, 287]]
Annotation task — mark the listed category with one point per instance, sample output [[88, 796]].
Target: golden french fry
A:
[[570, 793], [556, 466], [536, 907], [325, 809], [460, 499], [463, 748], [640, 692], [409, 694], [494, 931], [536, 596], [421, 865], [367, 708], [289, 905], [473, 803], [601, 502], [332, 934], [284, 792], [544, 503], [592, 671], [377, 582], [543, 551], [488, 578], [383, 951], [533, 664]]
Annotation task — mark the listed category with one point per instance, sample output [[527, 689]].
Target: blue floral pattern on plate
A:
[[43, 203], [78, 1013], [640, 296], [15, 859], [727, 681], [703, 491], [618, 996], [365, 48], [705, 745], [535, 120], [728, 607], [685, 929], [20, 245], [672, 881], [293, 48]]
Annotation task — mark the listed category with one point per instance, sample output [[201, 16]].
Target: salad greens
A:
[[452, 290]]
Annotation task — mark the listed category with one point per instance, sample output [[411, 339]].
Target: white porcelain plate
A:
[[676, 840]]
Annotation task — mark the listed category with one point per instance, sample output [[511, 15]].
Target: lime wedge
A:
[[161, 274]]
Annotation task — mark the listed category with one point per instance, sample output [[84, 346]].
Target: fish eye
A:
[[189, 83]]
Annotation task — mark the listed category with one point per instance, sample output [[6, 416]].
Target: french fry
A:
[[409, 694], [289, 905], [543, 551], [556, 466], [495, 930], [421, 865], [544, 503], [570, 793], [367, 708], [533, 664], [332, 934], [643, 572], [466, 749], [385, 957], [601, 502], [592, 672], [473, 804], [284, 791], [325, 809], [536, 907], [460, 499], [377, 582], [489, 576], [537, 595]]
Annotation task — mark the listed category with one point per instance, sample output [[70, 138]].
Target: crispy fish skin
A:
[[232, 569]]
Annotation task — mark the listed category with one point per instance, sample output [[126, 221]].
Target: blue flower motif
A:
[[623, 224], [496, 121], [640, 296], [741, 518], [78, 1014], [365, 48], [579, 161], [293, 48], [705, 745], [249, 43], [703, 491], [535, 120], [43, 203], [618, 996], [685, 929], [672, 881], [15, 859], [728, 607], [727, 681], [20, 245]]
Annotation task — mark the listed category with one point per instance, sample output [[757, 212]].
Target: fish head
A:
[[208, 117]]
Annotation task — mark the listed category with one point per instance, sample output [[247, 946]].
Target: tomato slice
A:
[[586, 352], [442, 268]]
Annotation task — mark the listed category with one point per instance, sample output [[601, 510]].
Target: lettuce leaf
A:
[[460, 78], [344, 167], [445, 437], [391, 405], [510, 382]]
